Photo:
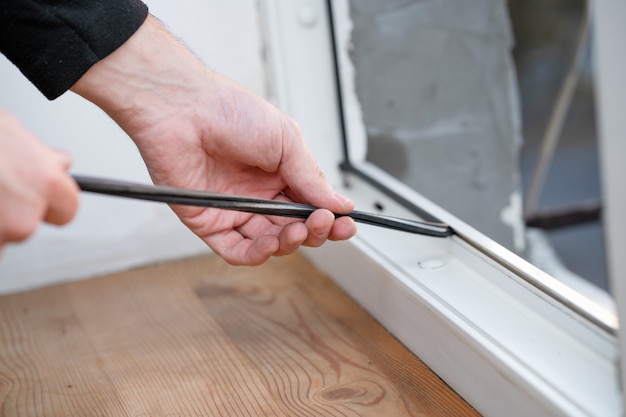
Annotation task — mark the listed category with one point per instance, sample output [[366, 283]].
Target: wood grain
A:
[[198, 337]]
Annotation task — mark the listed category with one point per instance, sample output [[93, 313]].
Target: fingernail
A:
[[319, 231], [343, 199]]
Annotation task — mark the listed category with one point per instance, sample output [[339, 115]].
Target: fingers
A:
[[343, 228], [54, 200], [34, 183], [257, 240], [323, 226], [62, 190], [235, 249], [262, 237], [63, 200]]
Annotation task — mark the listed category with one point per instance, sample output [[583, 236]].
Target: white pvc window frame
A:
[[610, 67], [475, 313]]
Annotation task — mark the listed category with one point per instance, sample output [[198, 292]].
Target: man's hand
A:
[[198, 130], [34, 183]]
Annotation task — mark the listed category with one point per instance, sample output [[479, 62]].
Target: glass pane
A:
[[453, 109], [548, 35]]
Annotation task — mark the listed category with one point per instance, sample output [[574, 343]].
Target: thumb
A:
[[64, 193], [305, 178]]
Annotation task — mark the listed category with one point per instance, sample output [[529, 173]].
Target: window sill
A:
[[500, 342]]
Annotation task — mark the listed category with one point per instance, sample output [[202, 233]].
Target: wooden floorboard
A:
[[198, 337]]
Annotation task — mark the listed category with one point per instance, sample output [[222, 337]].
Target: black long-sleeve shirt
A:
[[54, 42]]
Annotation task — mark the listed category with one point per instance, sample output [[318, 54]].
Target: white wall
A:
[[110, 234]]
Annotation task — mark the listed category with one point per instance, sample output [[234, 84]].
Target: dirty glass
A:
[[457, 98]]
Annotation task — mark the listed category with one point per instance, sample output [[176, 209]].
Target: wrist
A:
[[142, 79]]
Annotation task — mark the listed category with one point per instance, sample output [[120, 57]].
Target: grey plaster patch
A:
[[434, 80]]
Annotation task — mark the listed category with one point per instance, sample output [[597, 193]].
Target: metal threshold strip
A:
[[603, 317]]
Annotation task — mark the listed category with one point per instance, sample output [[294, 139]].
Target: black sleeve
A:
[[54, 42]]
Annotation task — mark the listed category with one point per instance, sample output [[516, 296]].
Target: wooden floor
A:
[[200, 338]]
